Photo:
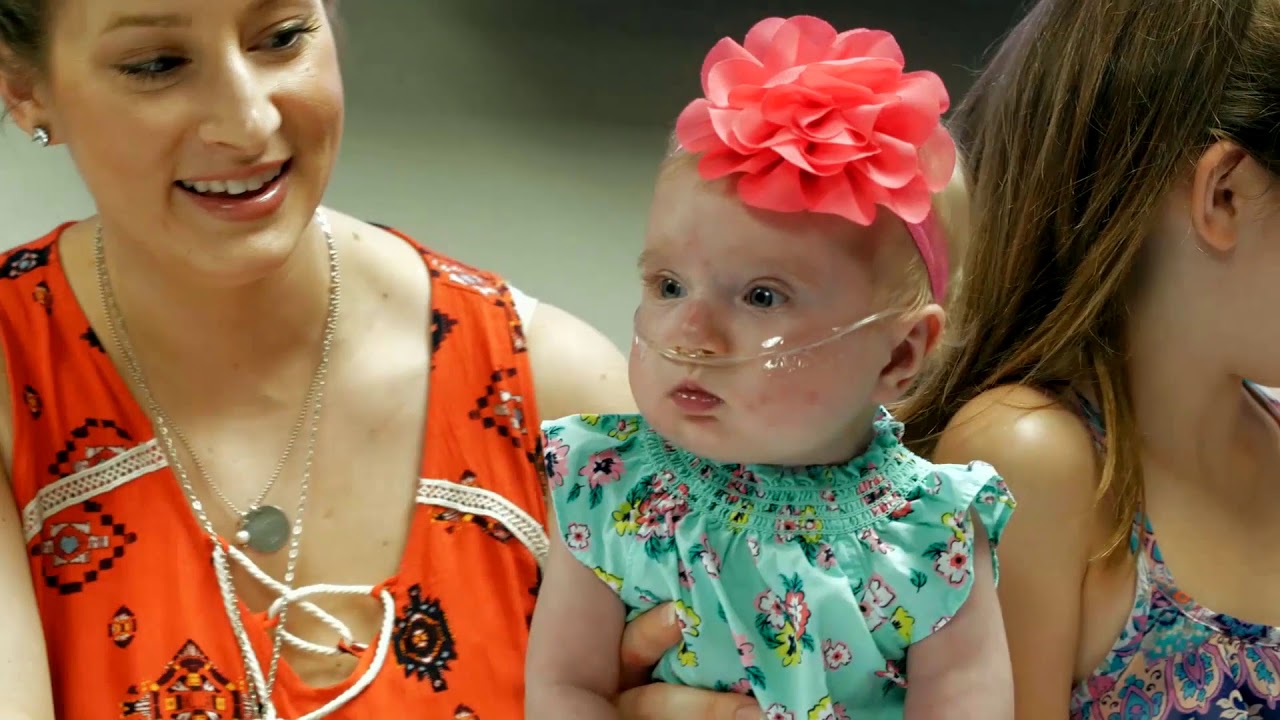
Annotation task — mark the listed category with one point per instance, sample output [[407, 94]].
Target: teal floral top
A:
[[804, 587]]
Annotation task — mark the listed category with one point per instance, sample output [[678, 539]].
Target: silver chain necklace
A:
[[166, 431], [263, 528]]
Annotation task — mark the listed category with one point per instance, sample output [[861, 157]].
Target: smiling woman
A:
[[257, 458]]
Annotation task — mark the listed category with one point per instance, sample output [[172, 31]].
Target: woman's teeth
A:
[[233, 187]]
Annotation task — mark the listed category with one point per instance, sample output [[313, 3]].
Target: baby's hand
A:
[[643, 643]]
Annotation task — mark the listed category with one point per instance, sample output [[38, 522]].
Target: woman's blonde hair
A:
[[1084, 119]]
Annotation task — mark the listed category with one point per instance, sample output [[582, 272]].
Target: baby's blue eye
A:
[[763, 297], [669, 289]]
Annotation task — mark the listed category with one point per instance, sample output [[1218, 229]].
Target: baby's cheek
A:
[[644, 384], [779, 394]]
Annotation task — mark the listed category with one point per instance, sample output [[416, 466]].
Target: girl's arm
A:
[[962, 672], [572, 667], [1045, 455]]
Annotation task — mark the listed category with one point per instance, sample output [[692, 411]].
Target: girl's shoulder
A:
[[1019, 426], [1040, 443]]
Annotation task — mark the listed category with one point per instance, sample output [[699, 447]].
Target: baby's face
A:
[[720, 279]]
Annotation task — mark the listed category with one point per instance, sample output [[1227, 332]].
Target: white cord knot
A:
[[287, 597]]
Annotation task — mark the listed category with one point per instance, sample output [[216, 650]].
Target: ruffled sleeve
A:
[[920, 563], [592, 462]]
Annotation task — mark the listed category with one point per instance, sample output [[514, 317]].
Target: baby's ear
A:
[[917, 334]]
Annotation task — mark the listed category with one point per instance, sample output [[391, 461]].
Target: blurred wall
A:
[[522, 137]]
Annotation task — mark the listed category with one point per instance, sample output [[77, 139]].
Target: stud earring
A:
[[40, 136]]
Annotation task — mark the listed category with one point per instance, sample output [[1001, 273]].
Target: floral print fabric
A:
[[804, 587]]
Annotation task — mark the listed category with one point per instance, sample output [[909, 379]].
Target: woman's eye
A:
[[154, 68], [763, 297], [289, 37]]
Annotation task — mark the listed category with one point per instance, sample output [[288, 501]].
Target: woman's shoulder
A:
[[17, 261], [575, 367], [12, 245], [24, 276], [389, 250]]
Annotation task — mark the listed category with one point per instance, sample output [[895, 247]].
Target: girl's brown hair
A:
[[1086, 116]]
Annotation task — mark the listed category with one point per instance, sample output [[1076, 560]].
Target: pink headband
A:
[[810, 120]]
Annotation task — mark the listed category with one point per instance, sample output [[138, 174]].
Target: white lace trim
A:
[[147, 458], [478, 501], [89, 483]]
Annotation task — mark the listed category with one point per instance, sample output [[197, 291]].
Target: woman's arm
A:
[[643, 644], [1046, 456], [576, 369], [25, 690], [962, 671]]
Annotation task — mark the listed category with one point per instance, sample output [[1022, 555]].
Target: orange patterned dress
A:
[[132, 613]]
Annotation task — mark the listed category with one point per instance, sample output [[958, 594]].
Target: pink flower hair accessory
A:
[[808, 119]]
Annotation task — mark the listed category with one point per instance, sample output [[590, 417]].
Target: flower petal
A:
[[875, 74], [867, 43], [925, 89], [721, 78], [781, 104], [694, 129], [838, 154], [794, 154], [912, 202], [718, 164], [760, 36], [938, 159], [841, 195], [800, 40], [725, 50], [785, 76], [894, 165], [751, 129], [909, 123], [862, 119], [724, 120], [796, 40], [778, 189], [821, 124], [745, 95]]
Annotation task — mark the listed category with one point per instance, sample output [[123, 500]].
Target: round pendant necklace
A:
[[261, 688], [262, 528]]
